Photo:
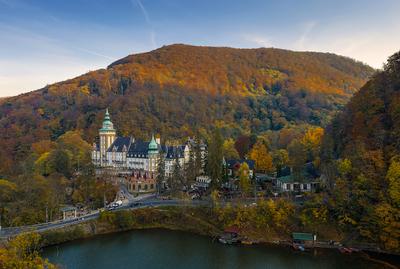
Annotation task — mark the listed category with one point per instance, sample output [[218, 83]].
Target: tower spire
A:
[[153, 147], [107, 124]]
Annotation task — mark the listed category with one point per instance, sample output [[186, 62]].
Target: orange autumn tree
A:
[[259, 153]]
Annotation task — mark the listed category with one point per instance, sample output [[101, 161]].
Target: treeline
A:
[[361, 161], [273, 151], [239, 91], [53, 174], [23, 252]]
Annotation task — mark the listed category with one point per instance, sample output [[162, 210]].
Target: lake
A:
[[159, 249]]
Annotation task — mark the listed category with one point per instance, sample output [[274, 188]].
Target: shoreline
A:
[[191, 220], [266, 244]]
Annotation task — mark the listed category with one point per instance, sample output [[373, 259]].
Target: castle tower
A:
[[107, 136], [153, 155]]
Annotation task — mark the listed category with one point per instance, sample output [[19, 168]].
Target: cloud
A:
[[148, 21], [258, 40], [34, 41], [307, 28], [144, 11], [94, 53]]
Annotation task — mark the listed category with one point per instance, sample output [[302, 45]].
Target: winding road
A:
[[130, 203]]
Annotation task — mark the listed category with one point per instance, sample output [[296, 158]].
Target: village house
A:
[[232, 167], [290, 184], [69, 212], [307, 181], [202, 182], [141, 182]]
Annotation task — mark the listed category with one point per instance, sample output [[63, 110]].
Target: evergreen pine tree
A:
[[198, 162], [215, 156], [160, 173], [176, 180], [190, 169]]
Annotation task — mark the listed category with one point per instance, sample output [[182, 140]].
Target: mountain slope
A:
[[243, 71], [363, 145], [177, 90]]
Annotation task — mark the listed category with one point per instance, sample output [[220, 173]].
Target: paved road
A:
[[144, 201], [134, 203]]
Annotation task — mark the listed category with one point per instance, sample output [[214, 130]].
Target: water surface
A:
[[159, 249]]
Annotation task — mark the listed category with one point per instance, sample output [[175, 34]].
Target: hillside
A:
[[363, 146], [178, 90]]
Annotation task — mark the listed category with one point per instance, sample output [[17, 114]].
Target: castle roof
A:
[[138, 149], [172, 152], [120, 144], [141, 149]]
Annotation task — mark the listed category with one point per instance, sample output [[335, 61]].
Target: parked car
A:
[[195, 196]]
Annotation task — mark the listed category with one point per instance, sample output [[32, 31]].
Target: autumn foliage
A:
[[361, 159], [183, 90]]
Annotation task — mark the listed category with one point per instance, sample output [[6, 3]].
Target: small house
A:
[[290, 184], [304, 238], [202, 182], [141, 182], [69, 212], [232, 167], [306, 181]]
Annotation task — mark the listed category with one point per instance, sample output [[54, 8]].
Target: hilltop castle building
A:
[[127, 154]]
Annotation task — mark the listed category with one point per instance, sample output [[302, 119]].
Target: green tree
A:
[[60, 162], [280, 159], [160, 172], [215, 156], [190, 169], [393, 178], [176, 180], [297, 158], [198, 160]]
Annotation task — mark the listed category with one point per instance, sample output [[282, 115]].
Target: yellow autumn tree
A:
[[244, 179], [22, 252], [312, 143], [262, 158], [230, 151]]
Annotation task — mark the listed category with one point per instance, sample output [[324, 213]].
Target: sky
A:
[[45, 41]]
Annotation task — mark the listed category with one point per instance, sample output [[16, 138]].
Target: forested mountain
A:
[[361, 159], [180, 90]]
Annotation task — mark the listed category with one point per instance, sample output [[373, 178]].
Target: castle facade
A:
[[130, 154]]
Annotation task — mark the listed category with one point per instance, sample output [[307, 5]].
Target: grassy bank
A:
[[195, 220]]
